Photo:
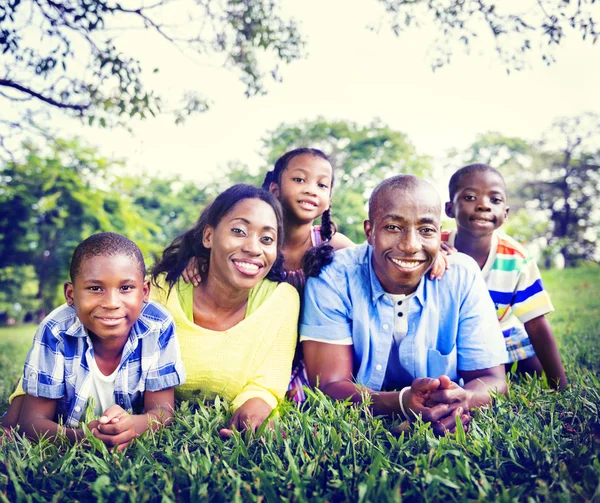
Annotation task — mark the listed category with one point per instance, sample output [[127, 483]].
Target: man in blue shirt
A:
[[372, 320]]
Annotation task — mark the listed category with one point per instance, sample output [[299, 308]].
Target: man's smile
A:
[[406, 264]]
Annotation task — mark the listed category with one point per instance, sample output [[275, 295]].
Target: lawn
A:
[[533, 445]]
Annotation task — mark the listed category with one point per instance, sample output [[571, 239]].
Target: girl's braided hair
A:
[[319, 256]]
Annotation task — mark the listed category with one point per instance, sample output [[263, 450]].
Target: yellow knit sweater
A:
[[251, 359]]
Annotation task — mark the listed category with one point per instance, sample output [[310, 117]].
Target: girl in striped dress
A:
[[302, 180]]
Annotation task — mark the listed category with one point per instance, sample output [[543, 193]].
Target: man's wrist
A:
[[401, 402]]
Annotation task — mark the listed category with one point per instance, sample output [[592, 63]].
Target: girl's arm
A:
[[339, 241]]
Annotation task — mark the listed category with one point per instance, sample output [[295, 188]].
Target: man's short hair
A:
[[398, 182], [469, 170], [105, 244]]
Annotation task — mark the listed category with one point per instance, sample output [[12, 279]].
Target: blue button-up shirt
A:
[[58, 363], [452, 324]]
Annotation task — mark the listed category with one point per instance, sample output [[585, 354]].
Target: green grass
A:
[[533, 445]]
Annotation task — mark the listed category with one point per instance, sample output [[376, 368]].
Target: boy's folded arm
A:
[[37, 418], [159, 407], [544, 344]]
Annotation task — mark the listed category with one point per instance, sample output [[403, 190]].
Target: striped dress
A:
[[297, 279], [515, 285]]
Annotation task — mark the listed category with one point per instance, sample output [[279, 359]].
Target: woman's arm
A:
[[271, 375]]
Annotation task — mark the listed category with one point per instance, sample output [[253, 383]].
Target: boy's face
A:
[[405, 235], [108, 295], [479, 205]]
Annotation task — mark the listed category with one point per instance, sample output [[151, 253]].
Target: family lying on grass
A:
[[413, 329]]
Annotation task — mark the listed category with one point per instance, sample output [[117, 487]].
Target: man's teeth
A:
[[406, 264], [248, 266]]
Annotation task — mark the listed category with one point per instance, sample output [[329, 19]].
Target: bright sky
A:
[[351, 73]]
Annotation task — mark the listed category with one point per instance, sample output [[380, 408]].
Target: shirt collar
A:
[[377, 290]]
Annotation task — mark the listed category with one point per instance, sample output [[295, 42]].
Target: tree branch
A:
[[41, 97]]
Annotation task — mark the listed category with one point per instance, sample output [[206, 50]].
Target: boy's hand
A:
[[249, 416], [447, 249], [115, 427], [439, 266]]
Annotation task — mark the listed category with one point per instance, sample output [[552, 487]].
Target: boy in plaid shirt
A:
[[107, 343]]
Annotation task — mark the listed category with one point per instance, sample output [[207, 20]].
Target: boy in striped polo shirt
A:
[[478, 203]]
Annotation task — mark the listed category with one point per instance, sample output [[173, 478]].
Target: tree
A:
[[64, 55], [51, 202], [362, 157], [514, 29], [566, 186]]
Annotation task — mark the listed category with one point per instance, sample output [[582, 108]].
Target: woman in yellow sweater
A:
[[238, 327]]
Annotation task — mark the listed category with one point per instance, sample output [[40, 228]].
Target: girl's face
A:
[[305, 188], [243, 245]]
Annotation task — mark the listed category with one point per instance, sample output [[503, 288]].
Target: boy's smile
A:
[[479, 204], [108, 295]]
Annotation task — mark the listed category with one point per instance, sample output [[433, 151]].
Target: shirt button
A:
[[385, 326], [378, 367], [77, 408], [31, 374], [400, 314], [399, 302]]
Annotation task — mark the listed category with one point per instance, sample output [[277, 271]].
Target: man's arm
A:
[[330, 366], [37, 418], [543, 342], [476, 391]]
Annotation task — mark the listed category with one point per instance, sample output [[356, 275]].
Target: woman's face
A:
[[243, 245]]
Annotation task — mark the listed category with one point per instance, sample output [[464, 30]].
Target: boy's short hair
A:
[[105, 244], [469, 170]]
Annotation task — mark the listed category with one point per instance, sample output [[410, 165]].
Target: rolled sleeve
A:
[[480, 341], [324, 313], [168, 370], [44, 370]]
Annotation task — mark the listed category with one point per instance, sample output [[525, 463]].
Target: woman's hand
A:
[[249, 416], [115, 427]]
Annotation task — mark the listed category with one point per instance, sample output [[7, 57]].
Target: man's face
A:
[[405, 236]]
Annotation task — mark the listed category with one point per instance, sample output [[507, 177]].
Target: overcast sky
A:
[[350, 73]]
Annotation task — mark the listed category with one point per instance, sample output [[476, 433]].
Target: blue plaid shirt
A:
[[58, 363], [452, 324]]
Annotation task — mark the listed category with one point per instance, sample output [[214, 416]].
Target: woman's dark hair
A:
[[189, 244], [328, 228]]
